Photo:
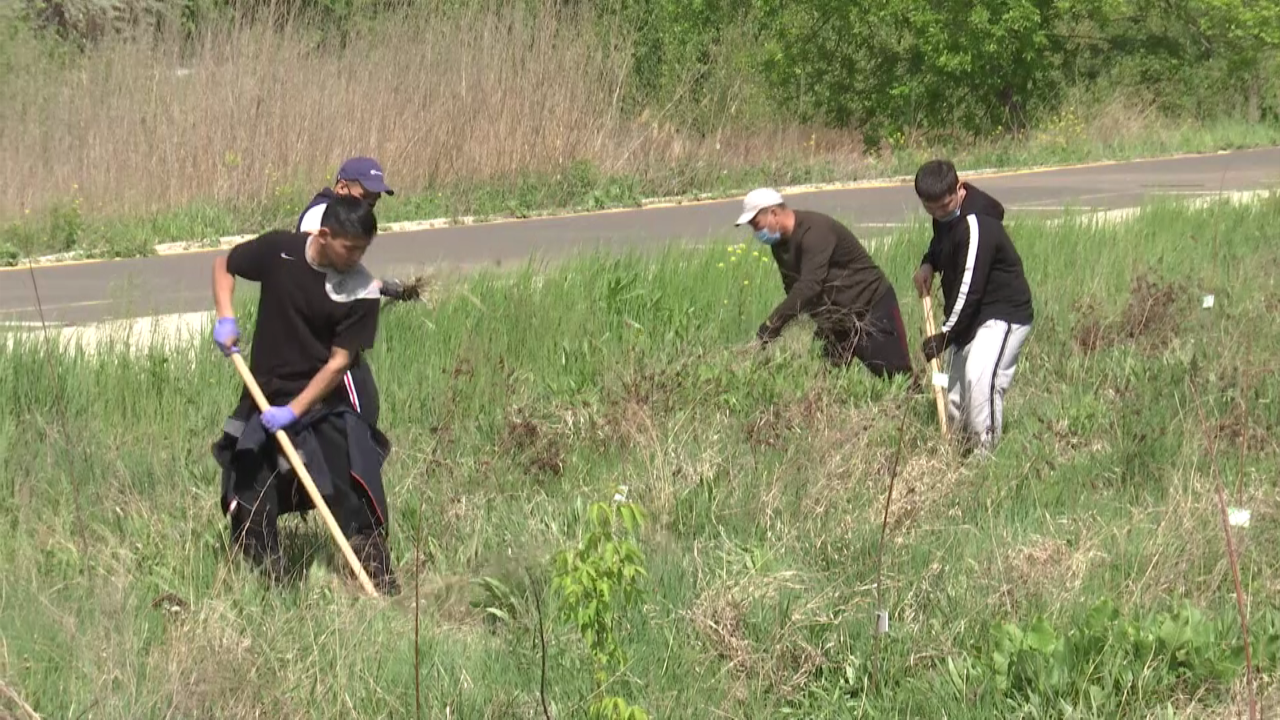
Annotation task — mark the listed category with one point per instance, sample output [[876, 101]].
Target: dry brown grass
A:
[[203, 662], [924, 484], [9, 696], [1047, 568], [253, 110], [1266, 693], [782, 660]]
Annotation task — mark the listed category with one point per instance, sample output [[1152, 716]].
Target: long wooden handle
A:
[[939, 396], [301, 469]]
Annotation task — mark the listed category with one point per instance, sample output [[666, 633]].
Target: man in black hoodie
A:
[[364, 179], [973, 201], [987, 301]]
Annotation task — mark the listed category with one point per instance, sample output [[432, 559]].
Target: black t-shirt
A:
[[299, 322]]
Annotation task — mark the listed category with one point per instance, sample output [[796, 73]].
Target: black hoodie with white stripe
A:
[[975, 201], [982, 276]]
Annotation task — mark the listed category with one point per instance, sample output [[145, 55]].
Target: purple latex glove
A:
[[225, 335], [278, 417]]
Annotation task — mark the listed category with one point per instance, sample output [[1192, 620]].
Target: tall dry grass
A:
[[244, 111]]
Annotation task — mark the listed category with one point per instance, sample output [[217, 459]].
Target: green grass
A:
[[69, 227], [518, 397]]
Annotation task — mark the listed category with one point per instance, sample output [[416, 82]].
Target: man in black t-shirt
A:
[[317, 313], [363, 178]]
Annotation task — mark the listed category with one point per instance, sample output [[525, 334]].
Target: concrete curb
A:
[[224, 243]]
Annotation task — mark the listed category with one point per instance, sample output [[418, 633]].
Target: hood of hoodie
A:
[[976, 202]]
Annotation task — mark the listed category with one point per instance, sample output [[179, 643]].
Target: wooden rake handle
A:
[[935, 364], [301, 469]]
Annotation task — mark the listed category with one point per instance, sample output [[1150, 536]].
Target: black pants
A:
[[363, 392], [262, 488], [879, 341]]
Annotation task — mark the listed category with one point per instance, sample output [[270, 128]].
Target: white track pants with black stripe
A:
[[979, 376]]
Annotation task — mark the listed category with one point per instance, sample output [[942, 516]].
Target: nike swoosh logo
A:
[[286, 257]]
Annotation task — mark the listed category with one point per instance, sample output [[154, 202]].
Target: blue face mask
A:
[[952, 216], [768, 237]]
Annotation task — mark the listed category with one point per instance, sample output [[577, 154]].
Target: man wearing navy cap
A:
[[362, 178]]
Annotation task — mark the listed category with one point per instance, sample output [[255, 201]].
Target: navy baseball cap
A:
[[367, 172]]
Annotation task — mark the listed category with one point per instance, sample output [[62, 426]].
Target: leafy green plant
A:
[[598, 581], [9, 255], [1107, 658], [499, 603], [615, 708]]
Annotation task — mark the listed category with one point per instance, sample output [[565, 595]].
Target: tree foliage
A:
[[884, 66]]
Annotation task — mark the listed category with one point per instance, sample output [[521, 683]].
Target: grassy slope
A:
[[517, 401]]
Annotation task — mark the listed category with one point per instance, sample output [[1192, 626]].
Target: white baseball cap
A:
[[757, 200]]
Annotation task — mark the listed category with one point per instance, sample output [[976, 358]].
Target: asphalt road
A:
[[91, 291]]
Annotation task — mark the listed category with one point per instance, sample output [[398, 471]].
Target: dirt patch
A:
[[1238, 426], [1151, 319], [625, 423], [813, 406], [538, 451], [464, 369], [765, 429], [1238, 430], [654, 388], [1092, 333], [424, 288], [631, 402], [1155, 312], [807, 414]]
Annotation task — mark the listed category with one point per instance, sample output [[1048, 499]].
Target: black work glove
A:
[[393, 289], [934, 345], [764, 335]]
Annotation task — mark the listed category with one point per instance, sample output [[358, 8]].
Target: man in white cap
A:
[[829, 276]]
